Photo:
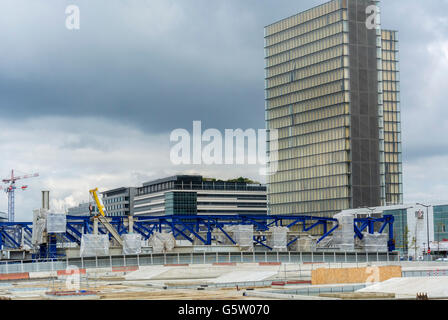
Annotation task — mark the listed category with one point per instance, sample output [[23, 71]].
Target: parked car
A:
[[442, 259]]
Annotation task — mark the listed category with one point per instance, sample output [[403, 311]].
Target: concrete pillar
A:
[[130, 224], [46, 200], [95, 225]]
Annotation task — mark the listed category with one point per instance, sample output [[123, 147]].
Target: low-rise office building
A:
[[194, 195], [119, 201], [82, 210]]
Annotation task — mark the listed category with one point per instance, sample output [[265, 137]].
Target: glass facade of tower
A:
[[323, 91], [392, 119], [440, 223]]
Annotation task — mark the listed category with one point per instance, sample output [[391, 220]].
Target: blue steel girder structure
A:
[[191, 227], [369, 223], [12, 233]]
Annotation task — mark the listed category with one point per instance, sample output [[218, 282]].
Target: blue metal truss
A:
[[11, 234], [201, 228], [369, 223]]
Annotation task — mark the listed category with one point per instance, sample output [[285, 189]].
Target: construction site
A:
[[238, 257]]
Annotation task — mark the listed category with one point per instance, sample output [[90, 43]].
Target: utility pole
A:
[[427, 224]]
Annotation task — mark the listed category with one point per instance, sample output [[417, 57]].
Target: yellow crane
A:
[[102, 216], [98, 201]]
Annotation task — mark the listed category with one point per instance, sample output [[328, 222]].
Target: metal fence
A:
[[196, 258], [311, 291], [426, 273]]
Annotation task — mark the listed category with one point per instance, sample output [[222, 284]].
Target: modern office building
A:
[[194, 195], [119, 201], [332, 95], [82, 209]]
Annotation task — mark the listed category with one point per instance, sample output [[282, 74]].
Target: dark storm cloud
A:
[[160, 64], [155, 64]]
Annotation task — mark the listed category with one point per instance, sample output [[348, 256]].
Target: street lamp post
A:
[[427, 223]]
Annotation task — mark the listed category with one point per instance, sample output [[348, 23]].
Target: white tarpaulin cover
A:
[[94, 245], [244, 236], [278, 238], [343, 236], [132, 243], [306, 243], [376, 242], [162, 242], [39, 225], [56, 223]]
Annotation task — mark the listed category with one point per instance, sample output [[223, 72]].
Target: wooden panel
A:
[[354, 275]]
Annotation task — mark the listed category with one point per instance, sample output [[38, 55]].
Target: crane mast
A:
[[10, 190]]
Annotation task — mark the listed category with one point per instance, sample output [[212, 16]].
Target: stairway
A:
[[110, 229]]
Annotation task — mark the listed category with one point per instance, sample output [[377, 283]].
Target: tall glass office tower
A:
[[332, 94]]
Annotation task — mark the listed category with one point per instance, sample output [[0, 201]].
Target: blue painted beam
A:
[[263, 244]]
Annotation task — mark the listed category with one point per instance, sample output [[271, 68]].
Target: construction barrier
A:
[[354, 275], [14, 276]]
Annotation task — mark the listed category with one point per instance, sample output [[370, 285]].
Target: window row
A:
[[314, 126], [390, 116], [391, 96], [314, 149], [302, 28], [313, 172], [390, 76], [299, 85], [392, 127], [311, 207], [115, 207], [394, 168], [305, 50], [391, 106], [392, 157], [310, 184], [394, 178], [116, 214], [313, 161], [320, 102], [303, 17], [391, 86], [392, 137], [389, 35], [309, 94], [310, 195], [389, 45], [392, 147], [304, 61], [317, 137], [305, 39], [389, 55], [323, 113], [394, 188], [113, 200], [294, 75], [390, 66], [313, 115]]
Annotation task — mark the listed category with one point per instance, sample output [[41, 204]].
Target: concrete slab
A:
[[146, 273], [436, 287], [244, 276]]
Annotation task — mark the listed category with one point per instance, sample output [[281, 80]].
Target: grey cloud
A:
[[142, 62]]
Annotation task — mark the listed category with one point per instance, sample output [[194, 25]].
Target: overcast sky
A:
[[94, 107]]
